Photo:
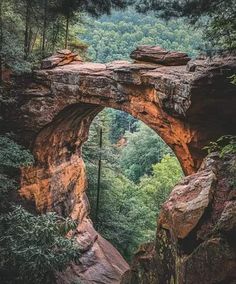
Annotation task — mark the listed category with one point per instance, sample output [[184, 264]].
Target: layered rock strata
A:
[[187, 105], [62, 57], [51, 112], [156, 54]]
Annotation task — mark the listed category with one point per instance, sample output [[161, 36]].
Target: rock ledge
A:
[[156, 54]]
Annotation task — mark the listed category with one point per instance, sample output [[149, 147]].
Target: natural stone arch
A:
[[179, 105], [57, 182], [53, 117]]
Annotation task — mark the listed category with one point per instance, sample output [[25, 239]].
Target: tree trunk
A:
[[1, 41], [33, 40], [53, 36], [67, 32], [44, 26], [27, 29], [55, 33], [99, 176]]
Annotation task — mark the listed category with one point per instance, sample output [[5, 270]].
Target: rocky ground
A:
[[195, 240]]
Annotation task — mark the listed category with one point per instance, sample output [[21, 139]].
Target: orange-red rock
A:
[[187, 203], [52, 113], [156, 54], [195, 241], [187, 109], [62, 57]]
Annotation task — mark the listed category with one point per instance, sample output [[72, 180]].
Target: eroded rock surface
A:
[[187, 109], [51, 112], [62, 57], [201, 249], [182, 212], [57, 182], [156, 54], [100, 262]]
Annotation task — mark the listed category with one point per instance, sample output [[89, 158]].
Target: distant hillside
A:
[[114, 37]]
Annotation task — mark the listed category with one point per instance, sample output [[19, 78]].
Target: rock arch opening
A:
[[57, 149], [131, 172], [57, 182]]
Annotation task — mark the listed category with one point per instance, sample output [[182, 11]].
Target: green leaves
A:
[[32, 247], [13, 155], [218, 17], [114, 37], [233, 79], [144, 149], [127, 210], [120, 123], [224, 145], [164, 177]]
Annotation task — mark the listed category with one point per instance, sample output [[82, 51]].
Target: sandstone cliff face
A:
[[58, 182], [195, 240], [186, 105]]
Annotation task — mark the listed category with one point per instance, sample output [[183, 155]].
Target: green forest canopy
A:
[[32, 29], [135, 179], [134, 183], [114, 37], [215, 17]]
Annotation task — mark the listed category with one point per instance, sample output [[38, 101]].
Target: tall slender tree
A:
[[69, 9], [99, 173], [45, 14], [27, 28], [1, 40]]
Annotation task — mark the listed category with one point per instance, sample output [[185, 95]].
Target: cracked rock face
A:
[[182, 212], [195, 241], [62, 57], [188, 107]]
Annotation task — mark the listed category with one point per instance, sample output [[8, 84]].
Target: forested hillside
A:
[[136, 176], [31, 30], [60, 194], [114, 37]]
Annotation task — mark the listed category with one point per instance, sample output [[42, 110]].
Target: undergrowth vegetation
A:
[[224, 145]]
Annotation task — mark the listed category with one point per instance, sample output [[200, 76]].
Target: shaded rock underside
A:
[[188, 106]]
